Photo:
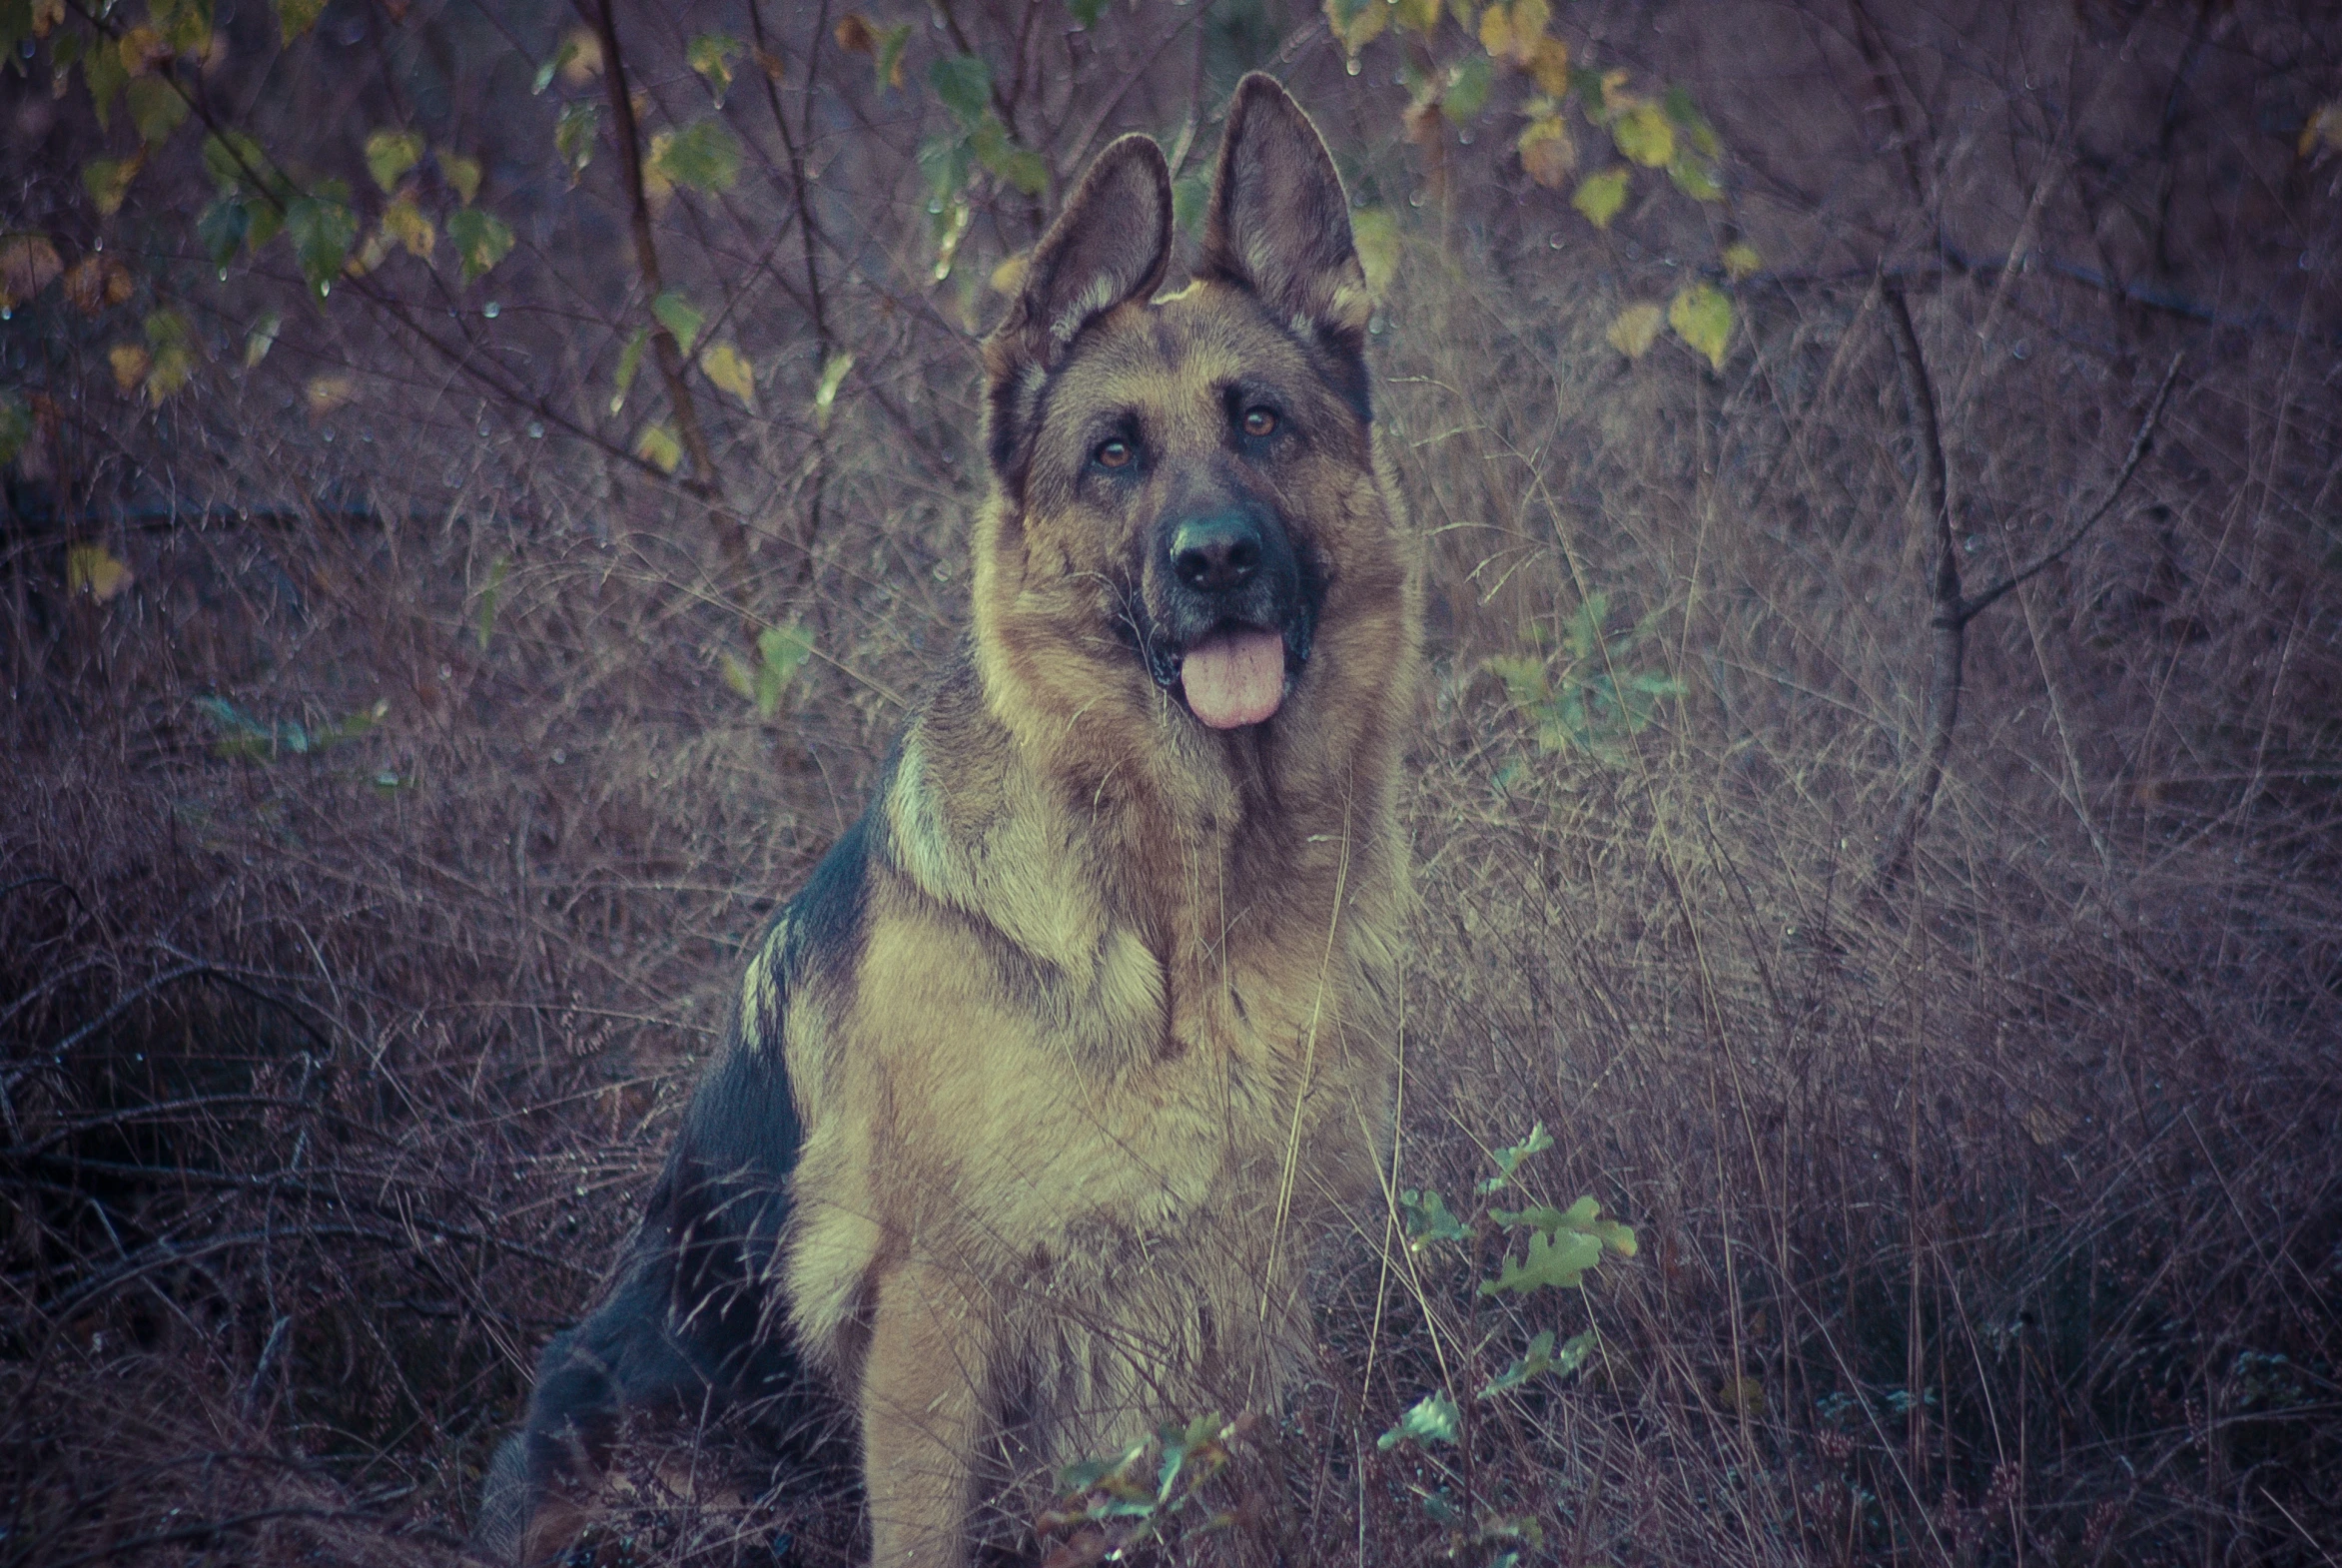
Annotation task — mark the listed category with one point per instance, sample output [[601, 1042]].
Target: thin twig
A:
[[731, 539]]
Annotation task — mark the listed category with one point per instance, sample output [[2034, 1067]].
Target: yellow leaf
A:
[[1547, 151], [1600, 196], [1009, 276], [581, 56], [658, 445], [2323, 126], [93, 569], [1635, 330], [107, 180], [404, 222], [327, 392], [462, 173], [129, 364], [141, 49], [1741, 259], [1644, 134], [1421, 14], [1357, 23], [729, 369], [1496, 31], [825, 390], [1528, 28], [1374, 236], [1702, 317], [27, 264], [1549, 64]]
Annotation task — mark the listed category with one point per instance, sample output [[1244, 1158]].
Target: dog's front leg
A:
[[922, 1392]]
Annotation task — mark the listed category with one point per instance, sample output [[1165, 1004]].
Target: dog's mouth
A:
[[1234, 674]]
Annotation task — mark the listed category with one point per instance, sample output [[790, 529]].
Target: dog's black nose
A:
[[1215, 554]]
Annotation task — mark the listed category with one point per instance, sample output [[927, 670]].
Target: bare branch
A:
[[1972, 606]]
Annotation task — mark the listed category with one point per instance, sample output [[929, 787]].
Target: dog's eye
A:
[[1259, 421], [1116, 453]]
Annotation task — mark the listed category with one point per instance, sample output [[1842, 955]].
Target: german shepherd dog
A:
[[1039, 1090]]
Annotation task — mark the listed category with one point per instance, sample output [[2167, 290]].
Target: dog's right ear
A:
[[1109, 245]]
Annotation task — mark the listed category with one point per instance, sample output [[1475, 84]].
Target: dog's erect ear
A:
[[1278, 223], [1109, 245]]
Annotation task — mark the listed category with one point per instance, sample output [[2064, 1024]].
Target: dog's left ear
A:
[[1109, 245], [1278, 223]]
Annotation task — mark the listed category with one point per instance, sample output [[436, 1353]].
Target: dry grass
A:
[[1995, 1219]]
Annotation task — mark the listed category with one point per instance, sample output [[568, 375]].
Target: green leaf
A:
[[102, 69], [1508, 1161], [1741, 259], [781, 652], [630, 362], [322, 230], [1468, 81], [1086, 11], [1644, 135], [1600, 196], [1702, 317], [107, 180], [825, 390], [944, 160], [462, 173], [481, 240], [964, 83], [1687, 120], [704, 155], [221, 228], [1558, 1260], [711, 55], [676, 315], [1434, 1418], [658, 445], [296, 17], [1425, 1218], [574, 132], [483, 620], [1019, 165], [1540, 1357], [559, 58], [228, 159], [390, 154], [887, 60], [1695, 176], [729, 369], [1374, 236], [156, 108]]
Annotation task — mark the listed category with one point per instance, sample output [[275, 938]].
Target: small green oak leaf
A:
[[1433, 1419], [1557, 1260]]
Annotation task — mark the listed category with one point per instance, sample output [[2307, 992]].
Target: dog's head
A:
[[1186, 486]]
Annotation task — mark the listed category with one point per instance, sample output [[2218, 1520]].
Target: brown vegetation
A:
[[1992, 1212]]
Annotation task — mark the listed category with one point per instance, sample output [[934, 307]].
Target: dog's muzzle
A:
[[1232, 612]]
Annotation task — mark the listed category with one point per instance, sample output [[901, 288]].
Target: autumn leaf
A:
[[171, 347], [1421, 14], [711, 55], [261, 338], [729, 369], [1600, 196], [1550, 66], [574, 132], [1741, 260], [296, 17], [1374, 236], [825, 390], [94, 570], [1635, 329], [657, 446], [107, 180], [1702, 317], [1009, 276], [680, 317], [221, 227], [129, 362], [481, 240], [322, 228], [28, 262], [462, 173], [390, 154], [2324, 127], [156, 108], [1644, 135], [1548, 153], [95, 283], [324, 393], [404, 222], [703, 155], [629, 363], [1357, 23]]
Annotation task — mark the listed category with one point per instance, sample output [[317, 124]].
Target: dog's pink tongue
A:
[[1235, 678]]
